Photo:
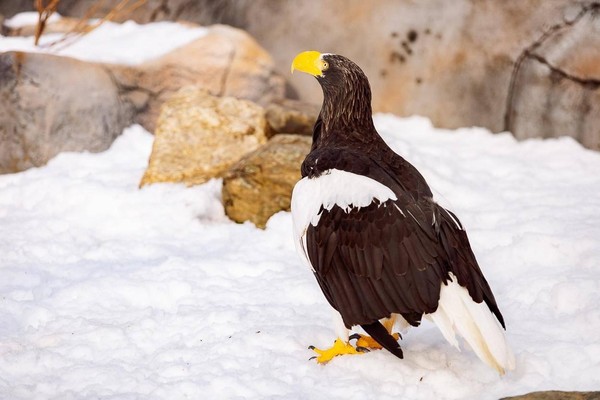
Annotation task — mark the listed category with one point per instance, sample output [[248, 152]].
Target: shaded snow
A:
[[114, 292], [126, 43]]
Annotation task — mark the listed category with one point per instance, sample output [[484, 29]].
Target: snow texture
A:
[[112, 292]]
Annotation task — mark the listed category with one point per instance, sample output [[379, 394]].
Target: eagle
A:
[[383, 252]]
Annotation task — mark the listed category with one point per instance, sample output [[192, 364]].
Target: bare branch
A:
[[45, 11], [123, 8]]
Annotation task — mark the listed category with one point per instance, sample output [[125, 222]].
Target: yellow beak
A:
[[309, 62]]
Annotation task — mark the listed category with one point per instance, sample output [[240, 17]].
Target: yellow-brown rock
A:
[[556, 395], [226, 62], [261, 184], [199, 136], [292, 116], [530, 67]]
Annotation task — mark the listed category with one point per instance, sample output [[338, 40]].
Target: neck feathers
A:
[[347, 106]]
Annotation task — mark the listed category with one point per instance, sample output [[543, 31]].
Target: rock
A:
[[10, 8], [229, 12], [292, 116], [199, 136], [50, 104], [557, 83], [449, 61], [557, 395], [261, 184], [226, 62]]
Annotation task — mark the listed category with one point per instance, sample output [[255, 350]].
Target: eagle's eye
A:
[[324, 65]]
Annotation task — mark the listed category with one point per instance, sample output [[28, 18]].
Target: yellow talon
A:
[[369, 343], [339, 348]]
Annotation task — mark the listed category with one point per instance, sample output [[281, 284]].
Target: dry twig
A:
[[44, 13], [83, 26]]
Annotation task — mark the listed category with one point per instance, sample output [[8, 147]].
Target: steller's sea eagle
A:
[[381, 249]]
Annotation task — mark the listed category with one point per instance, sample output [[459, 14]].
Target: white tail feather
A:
[[475, 323]]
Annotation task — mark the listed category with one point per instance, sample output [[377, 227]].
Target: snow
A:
[[29, 18], [128, 43], [113, 292]]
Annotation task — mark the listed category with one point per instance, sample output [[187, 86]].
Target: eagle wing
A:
[[392, 257]]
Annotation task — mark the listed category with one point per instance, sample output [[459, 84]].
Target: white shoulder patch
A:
[[334, 187], [458, 312]]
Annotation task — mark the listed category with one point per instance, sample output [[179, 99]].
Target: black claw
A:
[[312, 358], [362, 349], [311, 347], [354, 336], [383, 337]]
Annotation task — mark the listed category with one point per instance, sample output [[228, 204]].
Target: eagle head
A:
[[346, 89]]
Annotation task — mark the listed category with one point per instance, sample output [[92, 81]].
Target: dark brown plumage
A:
[[386, 257]]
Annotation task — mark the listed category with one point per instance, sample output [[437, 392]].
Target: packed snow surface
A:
[[127, 43], [113, 292]]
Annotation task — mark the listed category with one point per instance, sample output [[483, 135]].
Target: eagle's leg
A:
[[367, 342], [339, 348]]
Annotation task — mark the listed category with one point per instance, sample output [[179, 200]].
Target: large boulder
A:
[[556, 88], [556, 395], [10, 8], [292, 116], [453, 61], [449, 61], [261, 183], [50, 104], [226, 62], [199, 136]]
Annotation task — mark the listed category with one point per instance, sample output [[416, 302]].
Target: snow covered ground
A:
[[108, 291]]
